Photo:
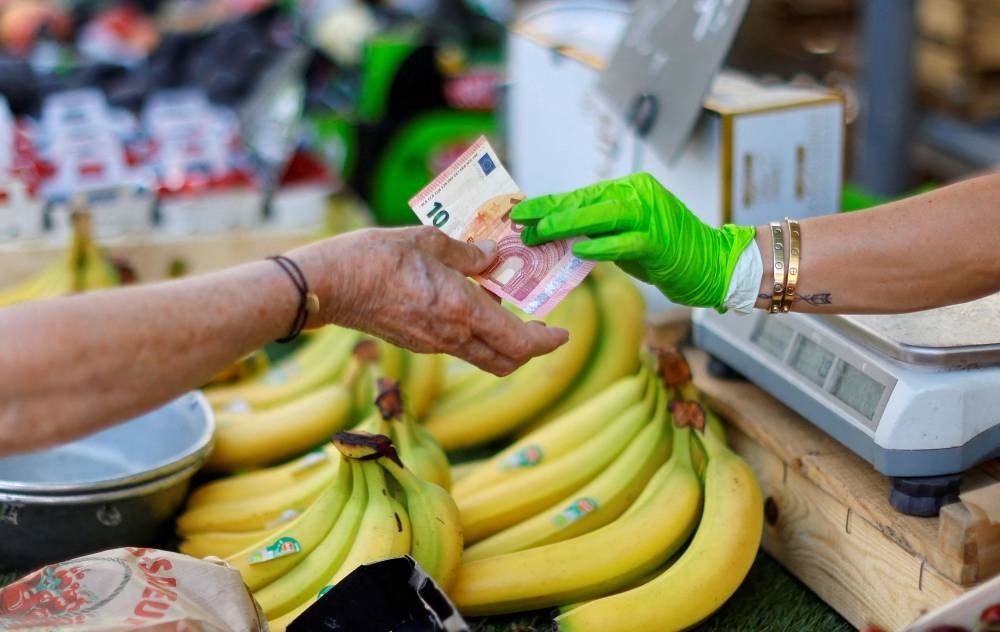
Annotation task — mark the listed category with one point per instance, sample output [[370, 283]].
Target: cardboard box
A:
[[758, 153]]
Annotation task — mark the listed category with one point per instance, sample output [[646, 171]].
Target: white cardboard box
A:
[[758, 153]]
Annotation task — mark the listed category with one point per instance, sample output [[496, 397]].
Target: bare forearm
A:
[[73, 365], [935, 249]]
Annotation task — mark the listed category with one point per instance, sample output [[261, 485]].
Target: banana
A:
[[246, 440], [263, 481], [459, 471], [403, 537], [224, 543], [258, 512], [300, 584], [435, 453], [378, 536], [595, 563], [463, 392], [82, 267], [318, 361], [505, 504], [392, 360], [531, 389], [556, 439], [706, 574], [422, 381], [436, 525], [595, 504], [249, 366], [308, 530], [616, 352]]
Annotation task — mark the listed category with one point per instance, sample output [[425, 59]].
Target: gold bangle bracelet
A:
[[778, 250], [794, 257]]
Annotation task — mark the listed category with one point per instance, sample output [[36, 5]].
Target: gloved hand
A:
[[637, 223]]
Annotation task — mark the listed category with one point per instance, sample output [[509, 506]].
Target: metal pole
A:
[[882, 155]]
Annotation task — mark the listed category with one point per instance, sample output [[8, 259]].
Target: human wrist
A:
[[320, 268], [744, 283], [763, 242]]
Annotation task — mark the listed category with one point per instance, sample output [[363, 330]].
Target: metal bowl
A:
[[119, 487]]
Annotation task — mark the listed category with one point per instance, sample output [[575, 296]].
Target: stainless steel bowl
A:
[[119, 487]]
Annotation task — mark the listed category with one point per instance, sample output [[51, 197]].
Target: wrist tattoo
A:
[[822, 298]]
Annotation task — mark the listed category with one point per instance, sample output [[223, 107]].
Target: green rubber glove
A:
[[637, 223]]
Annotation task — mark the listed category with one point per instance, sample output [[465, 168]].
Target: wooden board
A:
[[830, 522], [971, 27]]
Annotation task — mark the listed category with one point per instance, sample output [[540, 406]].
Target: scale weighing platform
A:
[[917, 395]]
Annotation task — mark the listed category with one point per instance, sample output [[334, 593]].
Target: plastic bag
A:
[[132, 589]]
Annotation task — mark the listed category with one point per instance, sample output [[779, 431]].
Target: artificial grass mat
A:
[[769, 600]]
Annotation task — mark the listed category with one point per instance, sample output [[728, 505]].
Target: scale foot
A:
[[720, 370], [923, 495]]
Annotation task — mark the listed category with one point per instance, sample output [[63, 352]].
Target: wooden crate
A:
[[829, 521], [958, 56]]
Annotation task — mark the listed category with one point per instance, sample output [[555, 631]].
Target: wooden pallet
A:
[[958, 56], [829, 521]]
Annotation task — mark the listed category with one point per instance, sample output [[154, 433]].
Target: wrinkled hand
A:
[[637, 223], [409, 286]]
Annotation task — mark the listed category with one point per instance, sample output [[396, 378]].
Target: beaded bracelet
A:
[[308, 301]]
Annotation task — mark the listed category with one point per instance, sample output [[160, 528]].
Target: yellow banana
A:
[[263, 481], [531, 389], [252, 365], [392, 360], [507, 503], [225, 543], [594, 563], [435, 523], [459, 471], [319, 361], [402, 539], [616, 352], [435, 453], [258, 512], [422, 381], [595, 504], [301, 583], [378, 534], [463, 392], [249, 440], [308, 530], [706, 574], [377, 537], [556, 439]]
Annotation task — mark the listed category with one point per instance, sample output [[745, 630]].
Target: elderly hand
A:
[[637, 223], [409, 286]]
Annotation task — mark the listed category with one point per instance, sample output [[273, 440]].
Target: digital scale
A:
[[916, 395]]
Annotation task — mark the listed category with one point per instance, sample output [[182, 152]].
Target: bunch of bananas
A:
[[595, 511], [83, 267], [289, 408], [377, 491], [604, 316]]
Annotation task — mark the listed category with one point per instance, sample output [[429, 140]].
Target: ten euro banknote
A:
[[471, 201]]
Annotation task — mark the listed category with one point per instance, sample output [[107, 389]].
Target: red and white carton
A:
[[301, 200], [20, 205], [82, 140], [206, 183]]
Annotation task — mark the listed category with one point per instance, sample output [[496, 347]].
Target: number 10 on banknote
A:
[[471, 201]]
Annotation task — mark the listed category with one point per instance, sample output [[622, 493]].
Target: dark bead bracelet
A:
[[308, 301]]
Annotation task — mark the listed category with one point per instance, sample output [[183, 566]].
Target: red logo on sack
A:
[[58, 594]]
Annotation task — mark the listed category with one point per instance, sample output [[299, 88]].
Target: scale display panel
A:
[[811, 361], [858, 391]]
